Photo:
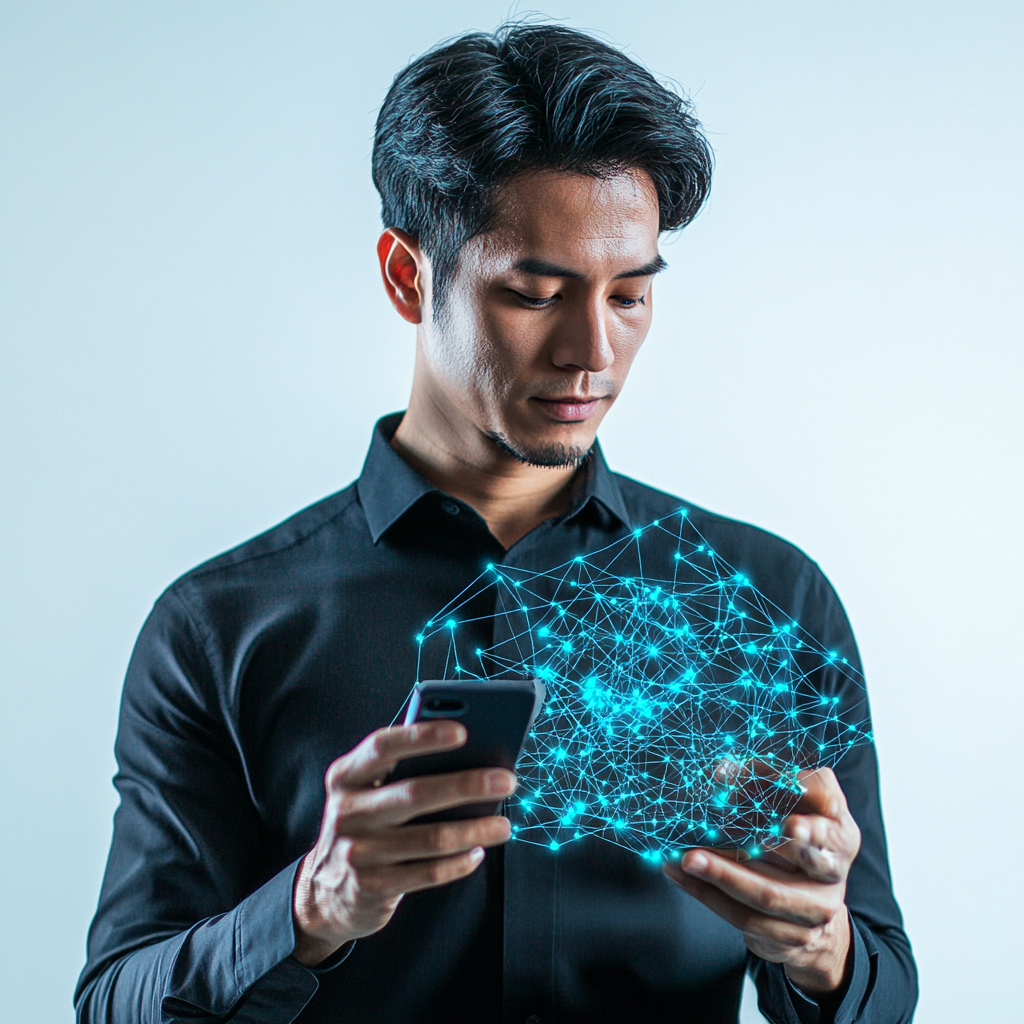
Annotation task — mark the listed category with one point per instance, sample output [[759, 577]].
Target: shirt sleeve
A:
[[882, 984], [191, 923]]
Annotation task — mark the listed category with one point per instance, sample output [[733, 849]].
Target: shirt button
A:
[[453, 510]]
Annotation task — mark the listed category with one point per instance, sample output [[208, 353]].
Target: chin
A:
[[552, 452]]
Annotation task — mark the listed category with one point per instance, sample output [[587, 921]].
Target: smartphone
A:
[[497, 714]]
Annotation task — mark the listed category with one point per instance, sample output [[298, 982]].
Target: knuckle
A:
[[854, 839], [821, 917], [768, 901], [440, 872], [369, 885], [335, 774], [376, 883], [345, 804], [377, 744], [440, 838], [408, 794]]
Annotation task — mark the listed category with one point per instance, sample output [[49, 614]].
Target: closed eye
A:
[[532, 301], [535, 302]]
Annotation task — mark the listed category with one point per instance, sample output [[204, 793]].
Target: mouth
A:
[[569, 409]]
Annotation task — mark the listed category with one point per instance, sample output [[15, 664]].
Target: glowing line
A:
[[680, 708]]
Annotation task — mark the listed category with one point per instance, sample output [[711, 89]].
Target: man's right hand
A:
[[368, 857]]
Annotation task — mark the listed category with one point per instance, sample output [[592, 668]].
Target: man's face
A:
[[546, 311]]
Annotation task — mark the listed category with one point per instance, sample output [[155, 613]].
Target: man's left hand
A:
[[790, 903]]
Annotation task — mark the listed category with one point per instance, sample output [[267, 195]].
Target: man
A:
[[525, 178]]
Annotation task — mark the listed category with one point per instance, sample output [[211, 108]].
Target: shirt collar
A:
[[389, 487]]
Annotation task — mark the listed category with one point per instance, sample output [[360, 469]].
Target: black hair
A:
[[467, 116]]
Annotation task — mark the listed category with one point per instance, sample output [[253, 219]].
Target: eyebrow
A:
[[541, 268]]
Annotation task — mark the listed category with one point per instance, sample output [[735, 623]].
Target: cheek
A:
[[480, 355], [508, 345], [626, 342]]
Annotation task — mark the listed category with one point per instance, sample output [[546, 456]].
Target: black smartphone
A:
[[497, 714]]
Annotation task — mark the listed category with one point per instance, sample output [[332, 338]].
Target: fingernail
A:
[[801, 833], [696, 865], [499, 783], [477, 853]]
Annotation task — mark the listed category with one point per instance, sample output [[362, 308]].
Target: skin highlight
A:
[[545, 315]]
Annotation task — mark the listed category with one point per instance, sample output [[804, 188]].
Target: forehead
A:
[[563, 216]]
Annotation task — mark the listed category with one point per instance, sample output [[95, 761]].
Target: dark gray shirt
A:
[[259, 668]]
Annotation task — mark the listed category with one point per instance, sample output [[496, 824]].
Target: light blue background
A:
[[195, 344]]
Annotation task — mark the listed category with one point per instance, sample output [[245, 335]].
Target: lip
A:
[[569, 409]]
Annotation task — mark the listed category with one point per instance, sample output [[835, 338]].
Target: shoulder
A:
[[729, 537], [298, 538], [779, 569], [781, 572]]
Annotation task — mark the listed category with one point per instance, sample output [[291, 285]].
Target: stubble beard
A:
[[550, 456]]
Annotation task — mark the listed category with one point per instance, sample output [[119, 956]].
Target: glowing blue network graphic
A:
[[681, 703]]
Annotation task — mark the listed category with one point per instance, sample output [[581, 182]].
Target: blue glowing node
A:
[[681, 702]]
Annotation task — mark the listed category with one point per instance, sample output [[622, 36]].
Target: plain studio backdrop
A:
[[196, 344]]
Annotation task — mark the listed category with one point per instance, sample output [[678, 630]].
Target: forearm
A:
[[204, 973]]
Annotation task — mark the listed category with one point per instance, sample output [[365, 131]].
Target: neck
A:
[[455, 456]]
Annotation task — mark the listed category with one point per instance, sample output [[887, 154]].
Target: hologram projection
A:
[[681, 703]]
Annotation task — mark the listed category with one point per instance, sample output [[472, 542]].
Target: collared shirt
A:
[[256, 670]]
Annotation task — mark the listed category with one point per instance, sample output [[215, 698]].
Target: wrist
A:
[[315, 940], [824, 968]]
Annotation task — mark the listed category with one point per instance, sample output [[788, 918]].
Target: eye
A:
[[627, 302], [532, 301]]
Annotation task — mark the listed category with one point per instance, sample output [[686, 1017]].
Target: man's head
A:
[[525, 177]]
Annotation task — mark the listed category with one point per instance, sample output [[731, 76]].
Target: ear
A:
[[401, 265]]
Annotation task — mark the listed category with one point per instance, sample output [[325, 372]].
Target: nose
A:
[[582, 342]]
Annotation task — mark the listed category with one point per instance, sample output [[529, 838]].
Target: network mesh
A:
[[681, 703]]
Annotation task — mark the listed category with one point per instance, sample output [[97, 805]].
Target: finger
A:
[[422, 842], [376, 756], [739, 915], [399, 802], [739, 773], [767, 890], [752, 784], [818, 846], [822, 795], [391, 880]]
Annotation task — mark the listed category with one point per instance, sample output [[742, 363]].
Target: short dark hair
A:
[[470, 114]]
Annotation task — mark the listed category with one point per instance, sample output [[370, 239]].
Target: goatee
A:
[[552, 456]]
